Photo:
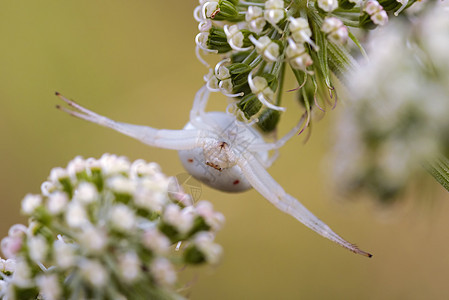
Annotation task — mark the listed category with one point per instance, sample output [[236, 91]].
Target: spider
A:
[[222, 152]]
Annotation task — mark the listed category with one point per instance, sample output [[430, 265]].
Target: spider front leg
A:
[[198, 116], [262, 181], [257, 147], [161, 138], [280, 142], [199, 106]]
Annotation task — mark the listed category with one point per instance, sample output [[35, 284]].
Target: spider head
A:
[[214, 163], [218, 155]]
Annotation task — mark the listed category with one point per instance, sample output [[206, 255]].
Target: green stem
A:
[[439, 169], [356, 41], [251, 56], [256, 61], [281, 85]]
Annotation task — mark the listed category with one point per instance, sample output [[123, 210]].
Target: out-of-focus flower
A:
[[397, 116], [103, 222]]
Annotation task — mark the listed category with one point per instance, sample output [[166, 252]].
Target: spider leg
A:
[[161, 138], [199, 103], [198, 117], [270, 160], [262, 181], [280, 142]]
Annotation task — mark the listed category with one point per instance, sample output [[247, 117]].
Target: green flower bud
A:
[[227, 11], [268, 120]]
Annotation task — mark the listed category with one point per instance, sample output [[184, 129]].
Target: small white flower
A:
[[86, 193], [380, 18], [154, 240], [129, 265], [122, 217], [210, 8], [11, 246], [226, 86], [22, 274], [377, 14], [335, 30], [274, 11], [47, 188], [204, 242], [328, 5], [17, 230], [94, 272], [30, 203], [152, 201], [212, 81], [49, 286], [235, 37], [92, 239], [221, 72], [259, 85], [266, 47], [75, 166], [122, 185], [300, 31], [254, 17], [64, 254], [163, 271], [205, 25], [372, 7], [158, 182], [93, 164], [297, 56], [113, 164], [8, 265], [37, 248], [214, 219], [56, 174], [76, 215], [142, 168], [182, 220], [57, 202], [201, 41]]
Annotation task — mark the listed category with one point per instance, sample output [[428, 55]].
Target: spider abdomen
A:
[[227, 180]]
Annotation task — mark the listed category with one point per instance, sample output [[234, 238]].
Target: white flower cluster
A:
[[397, 117], [106, 229], [260, 38]]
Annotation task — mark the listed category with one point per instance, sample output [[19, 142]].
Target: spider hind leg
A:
[[161, 138]]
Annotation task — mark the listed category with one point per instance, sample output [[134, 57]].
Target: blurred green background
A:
[[134, 61]]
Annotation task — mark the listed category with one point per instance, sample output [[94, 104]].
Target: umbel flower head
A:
[[258, 40], [107, 229], [396, 120]]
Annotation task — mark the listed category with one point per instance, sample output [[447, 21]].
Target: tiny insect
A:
[[222, 152]]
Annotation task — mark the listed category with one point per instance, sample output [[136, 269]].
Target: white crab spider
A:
[[223, 153]]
